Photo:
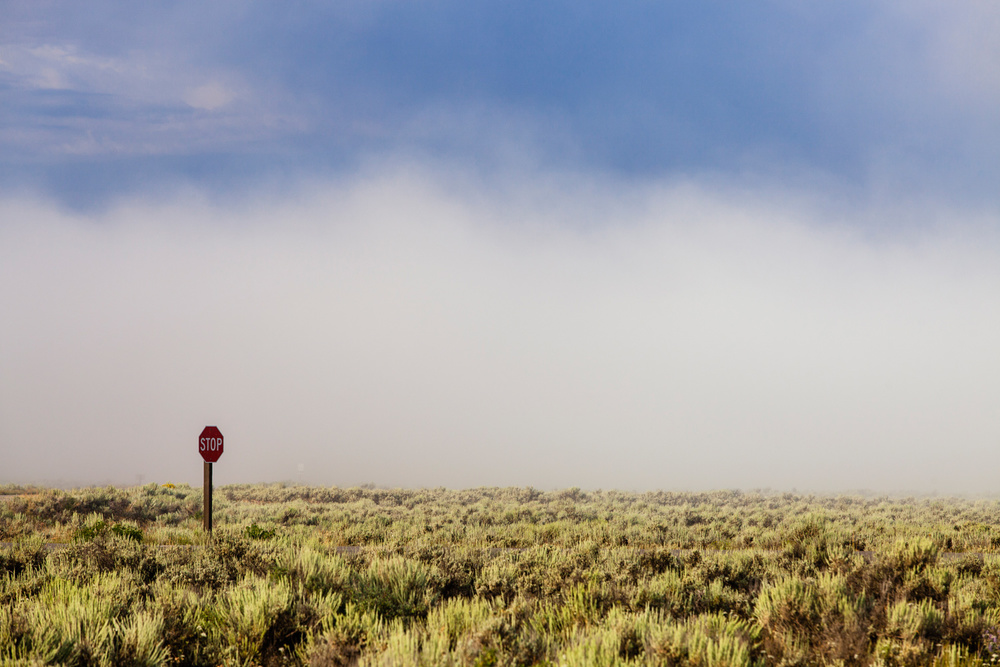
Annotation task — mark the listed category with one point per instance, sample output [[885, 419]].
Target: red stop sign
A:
[[210, 444]]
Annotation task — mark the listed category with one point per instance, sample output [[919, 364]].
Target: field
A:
[[495, 576]]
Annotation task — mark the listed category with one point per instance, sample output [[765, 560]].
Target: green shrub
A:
[[90, 531], [911, 621], [712, 639], [397, 587], [95, 623], [81, 561], [22, 555], [253, 620], [239, 555], [128, 532], [916, 554], [255, 532], [314, 571]]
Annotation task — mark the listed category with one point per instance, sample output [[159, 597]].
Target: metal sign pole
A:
[[208, 497]]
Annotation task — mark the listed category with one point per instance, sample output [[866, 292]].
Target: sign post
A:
[[210, 448], [207, 513]]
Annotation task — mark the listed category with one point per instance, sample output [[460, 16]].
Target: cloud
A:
[[63, 67], [209, 97], [668, 246], [414, 328], [64, 101], [959, 47]]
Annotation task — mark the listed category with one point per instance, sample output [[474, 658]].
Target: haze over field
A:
[[636, 246]]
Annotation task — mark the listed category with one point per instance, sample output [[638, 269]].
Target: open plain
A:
[[495, 576]]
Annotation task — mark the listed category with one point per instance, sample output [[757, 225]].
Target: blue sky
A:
[[632, 245], [101, 100]]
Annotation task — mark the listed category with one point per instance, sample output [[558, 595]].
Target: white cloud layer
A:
[[423, 331]]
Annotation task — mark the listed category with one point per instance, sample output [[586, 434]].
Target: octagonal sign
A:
[[210, 444]]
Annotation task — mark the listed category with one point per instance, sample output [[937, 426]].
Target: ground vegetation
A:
[[495, 576]]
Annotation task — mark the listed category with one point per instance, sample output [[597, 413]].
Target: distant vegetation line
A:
[[521, 517]]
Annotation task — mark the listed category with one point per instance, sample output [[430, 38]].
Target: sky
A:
[[636, 245]]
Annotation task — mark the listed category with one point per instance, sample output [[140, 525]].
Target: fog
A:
[[411, 327]]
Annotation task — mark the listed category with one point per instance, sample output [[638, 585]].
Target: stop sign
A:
[[210, 444]]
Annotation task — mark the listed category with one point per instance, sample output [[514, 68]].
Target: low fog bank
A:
[[418, 331]]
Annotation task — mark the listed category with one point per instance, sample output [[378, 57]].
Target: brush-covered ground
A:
[[495, 577]]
